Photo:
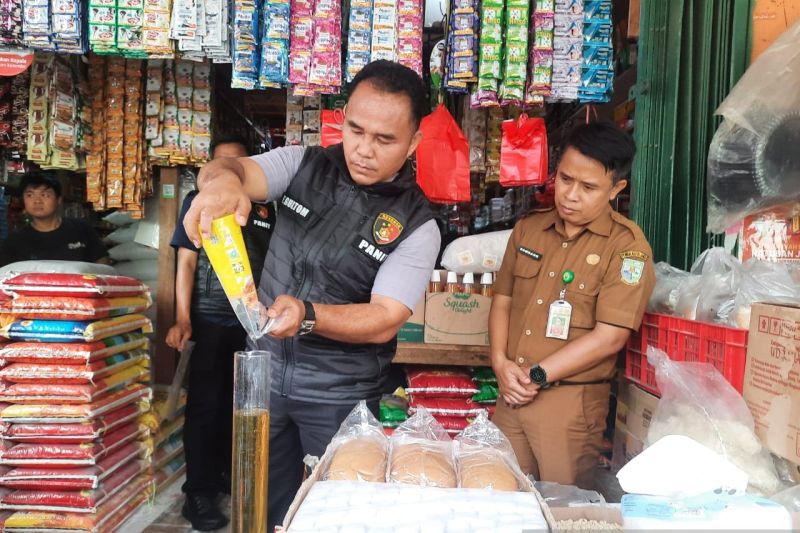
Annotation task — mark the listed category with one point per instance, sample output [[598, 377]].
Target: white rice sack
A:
[[139, 269], [130, 251]]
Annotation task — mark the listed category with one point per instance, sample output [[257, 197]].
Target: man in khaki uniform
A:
[[574, 283]]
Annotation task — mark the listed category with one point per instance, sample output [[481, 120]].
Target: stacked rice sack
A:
[[166, 421], [75, 454], [447, 393]]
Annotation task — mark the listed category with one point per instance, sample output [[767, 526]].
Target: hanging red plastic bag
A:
[[443, 159], [523, 152], [331, 129]]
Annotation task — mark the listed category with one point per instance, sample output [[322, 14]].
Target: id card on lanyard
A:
[[560, 312]]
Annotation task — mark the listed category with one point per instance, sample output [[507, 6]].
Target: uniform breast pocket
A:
[[526, 275], [584, 306]]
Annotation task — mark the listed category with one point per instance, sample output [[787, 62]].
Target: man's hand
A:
[[514, 383], [179, 334], [221, 196], [292, 312]]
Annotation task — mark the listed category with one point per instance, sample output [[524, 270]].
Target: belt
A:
[[566, 382]]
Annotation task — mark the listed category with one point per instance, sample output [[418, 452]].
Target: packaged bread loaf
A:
[[421, 453], [486, 459], [360, 448]]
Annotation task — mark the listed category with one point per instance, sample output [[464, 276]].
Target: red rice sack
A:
[[452, 424], [71, 433], [440, 382], [74, 331], [49, 413], [72, 501], [86, 478], [74, 285], [74, 353], [69, 308], [110, 515], [55, 392], [73, 374], [66, 455], [462, 407]]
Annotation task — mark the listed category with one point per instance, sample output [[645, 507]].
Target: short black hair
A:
[[229, 138], [394, 78], [34, 180], [607, 144]]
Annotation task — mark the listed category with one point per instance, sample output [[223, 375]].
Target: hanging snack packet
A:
[[228, 256]]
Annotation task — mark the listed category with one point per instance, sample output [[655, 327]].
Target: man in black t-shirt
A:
[[50, 236], [204, 315]]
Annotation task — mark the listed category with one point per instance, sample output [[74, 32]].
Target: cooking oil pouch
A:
[[228, 255]]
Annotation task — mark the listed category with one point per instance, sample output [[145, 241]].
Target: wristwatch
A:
[[309, 320], [539, 376]]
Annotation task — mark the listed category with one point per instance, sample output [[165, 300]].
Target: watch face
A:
[[538, 375]]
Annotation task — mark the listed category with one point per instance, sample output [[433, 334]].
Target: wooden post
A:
[[165, 357]]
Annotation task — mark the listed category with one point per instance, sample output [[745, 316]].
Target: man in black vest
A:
[[354, 247], [205, 316]]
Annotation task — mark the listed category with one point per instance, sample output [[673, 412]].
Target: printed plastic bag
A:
[[476, 253], [76, 353], [73, 374], [331, 128], [697, 401], [71, 432], [66, 330], [523, 152], [62, 393], [668, 284], [443, 159], [57, 266], [486, 459], [360, 448], [421, 453], [393, 410], [50, 413], [453, 424], [75, 285], [439, 382], [446, 406], [69, 308], [753, 161], [228, 255]]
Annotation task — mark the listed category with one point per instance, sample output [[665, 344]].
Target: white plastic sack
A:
[[140, 269], [720, 512], [665, 294], [119, 218], [697, 402], [130, 251], [123, 234], [476, 253], [65, 267], [148, 233], [676, 466]]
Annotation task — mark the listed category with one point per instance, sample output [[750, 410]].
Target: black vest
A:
[[208, 297], [331, 238]]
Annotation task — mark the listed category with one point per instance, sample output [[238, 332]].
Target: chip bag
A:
[[523, 152], [331, 129], [443, 159]]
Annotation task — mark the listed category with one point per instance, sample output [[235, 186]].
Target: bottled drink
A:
[[486, 284], [452, 282], [468, 283], [435, 284]]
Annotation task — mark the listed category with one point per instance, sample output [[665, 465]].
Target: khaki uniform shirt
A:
[[614, 276]]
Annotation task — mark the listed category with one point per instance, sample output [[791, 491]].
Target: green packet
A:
[[484, 374], [488, 393]]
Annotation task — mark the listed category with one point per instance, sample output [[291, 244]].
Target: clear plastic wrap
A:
[[708, 293], [697, 402], [486, 459], [789, 498], [360, 448], [421, 453], [763, 282], [476, 253], [665, 294], [753, 162]]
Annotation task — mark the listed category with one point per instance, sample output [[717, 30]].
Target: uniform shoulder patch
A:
[[633, 263], [386, 229]]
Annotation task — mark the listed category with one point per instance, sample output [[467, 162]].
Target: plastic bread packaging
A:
[[421, 453], [360, 448], [228, 255], [486, 459]]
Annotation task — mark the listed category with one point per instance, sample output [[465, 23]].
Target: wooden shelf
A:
[[441, 354]]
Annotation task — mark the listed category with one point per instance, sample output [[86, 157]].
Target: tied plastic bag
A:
[[228, 255], [668, 284], [708, 294], [486, 459], [476, 253], [523, 152], [421, 453], [753, 161], [763, 282], [443, 159], [331, 129], [697, 402], [360, 448]]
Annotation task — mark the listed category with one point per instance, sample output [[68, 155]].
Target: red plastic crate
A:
[[686, 340]]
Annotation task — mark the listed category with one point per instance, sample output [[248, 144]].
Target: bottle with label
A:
[[486, 284], [435, 284], [468, 284], [452, 282]]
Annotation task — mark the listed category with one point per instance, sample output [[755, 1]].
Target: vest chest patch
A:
[[295, 207], [370, 250]]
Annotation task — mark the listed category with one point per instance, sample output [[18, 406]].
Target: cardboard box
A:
[[635, 409], [772, 378], [770, 20], [414, 328], [457, 318]]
